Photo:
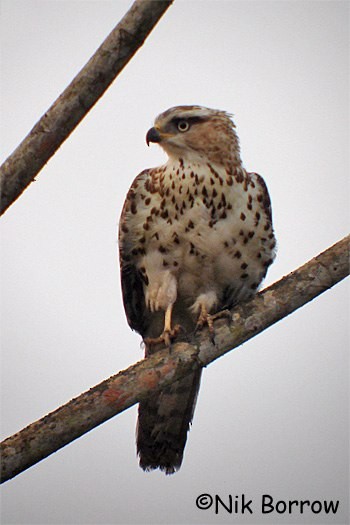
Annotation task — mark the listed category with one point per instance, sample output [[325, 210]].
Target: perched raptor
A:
[[195, 237]]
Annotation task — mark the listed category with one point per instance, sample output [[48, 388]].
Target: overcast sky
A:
[[272, 416]]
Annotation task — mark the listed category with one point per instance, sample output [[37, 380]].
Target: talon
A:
[[205, 319], [165, 338], [208, 319], [168, 334], [222, 314]]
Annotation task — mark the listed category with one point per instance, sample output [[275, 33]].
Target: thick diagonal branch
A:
[[123, 390], [19, 170]]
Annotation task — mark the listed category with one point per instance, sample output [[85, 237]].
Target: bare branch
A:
[[119, 392], [19, 170]]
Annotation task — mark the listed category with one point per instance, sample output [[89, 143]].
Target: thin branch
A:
[[119, 392], [20, 168]]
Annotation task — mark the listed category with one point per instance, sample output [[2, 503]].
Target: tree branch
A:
[[119, 392], [20, 168]]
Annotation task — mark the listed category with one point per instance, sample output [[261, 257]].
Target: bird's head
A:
[[196, 133]]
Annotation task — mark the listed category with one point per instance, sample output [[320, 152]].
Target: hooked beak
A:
[[153, 135]]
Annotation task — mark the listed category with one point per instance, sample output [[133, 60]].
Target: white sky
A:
[[272, 416]]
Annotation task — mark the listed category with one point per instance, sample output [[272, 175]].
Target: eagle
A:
[[195, 237]]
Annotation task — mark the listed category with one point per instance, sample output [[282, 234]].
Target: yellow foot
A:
[[205, 319], [222, 315], [165, 338], [208, 319]]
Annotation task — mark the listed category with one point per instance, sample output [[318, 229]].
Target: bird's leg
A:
[[168, 333], [201, 307], [208, 319], [205, 318], [167, 318]]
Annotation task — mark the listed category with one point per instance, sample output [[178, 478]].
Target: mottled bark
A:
[[119, 392], [20, 168]]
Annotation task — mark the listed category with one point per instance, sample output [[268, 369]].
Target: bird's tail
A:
[[163, 423]]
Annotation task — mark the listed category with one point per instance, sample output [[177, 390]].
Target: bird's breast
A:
[[202, 223]]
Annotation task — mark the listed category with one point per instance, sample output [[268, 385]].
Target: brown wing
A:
[[266, 202], [131, 278], [133, 297]]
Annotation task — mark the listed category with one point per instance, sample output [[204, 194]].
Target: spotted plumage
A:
[[196, 236]]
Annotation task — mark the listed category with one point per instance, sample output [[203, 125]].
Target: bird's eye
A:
[[183, 125]]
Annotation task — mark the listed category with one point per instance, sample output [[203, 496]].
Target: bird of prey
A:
[[195, 237]]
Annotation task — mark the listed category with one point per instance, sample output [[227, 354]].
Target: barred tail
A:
[[163, 423]]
